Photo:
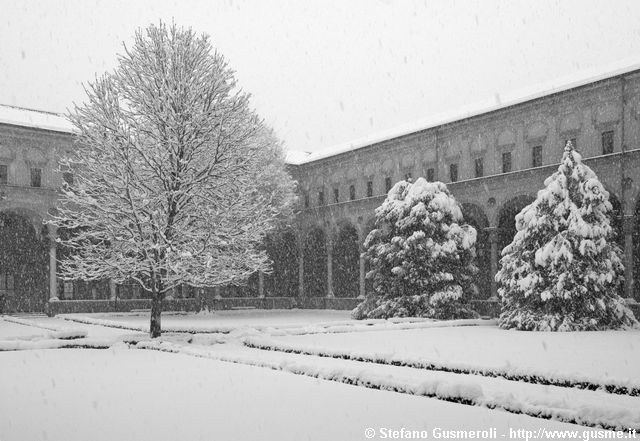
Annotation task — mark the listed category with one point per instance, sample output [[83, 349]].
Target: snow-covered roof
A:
[[580, 78], [39, 119], [296, 156]]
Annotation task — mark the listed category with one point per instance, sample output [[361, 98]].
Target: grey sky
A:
[[326, 72]]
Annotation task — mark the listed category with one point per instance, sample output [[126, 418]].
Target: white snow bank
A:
[[106, 395]]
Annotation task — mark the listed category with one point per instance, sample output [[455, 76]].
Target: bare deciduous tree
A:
[[176, 179]]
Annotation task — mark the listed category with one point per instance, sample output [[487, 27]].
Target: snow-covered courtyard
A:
[[298, 374]]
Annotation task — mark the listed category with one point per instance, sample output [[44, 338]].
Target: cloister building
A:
[[493, 159]]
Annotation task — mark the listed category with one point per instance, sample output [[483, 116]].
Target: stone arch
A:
[[570, 123], [345, 257], [23, 264], [536, 131], [479, 143], [315, 262], [506, 137], [282, 249], [475, 216], [506, 219]]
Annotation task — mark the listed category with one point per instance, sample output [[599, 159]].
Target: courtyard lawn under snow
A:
[[126, 394], [611, 357], [305, 374]]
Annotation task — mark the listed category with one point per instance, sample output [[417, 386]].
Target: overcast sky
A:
[[326, 72]]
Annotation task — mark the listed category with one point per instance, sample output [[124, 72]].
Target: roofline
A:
[[369, 142], [39, 129], [32, 125]]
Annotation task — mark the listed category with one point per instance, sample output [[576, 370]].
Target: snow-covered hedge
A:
[[551, 377]]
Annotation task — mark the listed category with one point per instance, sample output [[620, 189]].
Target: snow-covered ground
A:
[[219, 321], [126, 394], [241, 384]]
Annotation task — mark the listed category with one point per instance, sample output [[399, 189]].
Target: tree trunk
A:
[[156, 310]]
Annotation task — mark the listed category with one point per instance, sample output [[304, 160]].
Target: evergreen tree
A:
[[421, 257], [562, 271]]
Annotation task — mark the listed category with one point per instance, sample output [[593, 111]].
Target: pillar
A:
[[629, 223], [329, 242], [493, 240], [53, 264], [260, 284], [113, 293], [361, 262], [300, 267]]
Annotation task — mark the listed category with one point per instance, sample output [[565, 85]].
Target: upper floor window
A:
[[479, 163], [506, 162], [607, 142], [431, 175], [453, 172], [36, 177], [369, 189], [321, 198], [67, 177], [536, 156], [4, 174], [352, 192], [336, 195], [387, 184]]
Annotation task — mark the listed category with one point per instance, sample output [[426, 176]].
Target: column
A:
[[112, 290], [53, 264], [629, 223], [300, 267], [329, 242], [493, 240], [261, 284], [361, 263]]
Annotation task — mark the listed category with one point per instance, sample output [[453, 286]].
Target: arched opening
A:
[[283, 252], [474, 216], [315, 263], [87, 290], [507, 220], [24, 265], [346, 262]]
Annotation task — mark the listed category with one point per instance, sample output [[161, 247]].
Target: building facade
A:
[[493, 160]]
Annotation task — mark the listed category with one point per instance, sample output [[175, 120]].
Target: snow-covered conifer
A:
[[562, 271], [176, 179], [420, 255]]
